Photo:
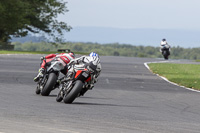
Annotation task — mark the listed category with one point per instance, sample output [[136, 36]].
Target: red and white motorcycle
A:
[[48, 82]]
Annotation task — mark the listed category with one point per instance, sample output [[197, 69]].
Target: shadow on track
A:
[[94, 97], [111, 105]]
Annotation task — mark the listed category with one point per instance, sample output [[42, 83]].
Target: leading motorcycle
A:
[[47, 83], [76, 83]]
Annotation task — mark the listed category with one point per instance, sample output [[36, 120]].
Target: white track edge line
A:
[[146, 65]]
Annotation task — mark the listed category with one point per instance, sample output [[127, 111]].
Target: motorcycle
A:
[[76, 83], [47, 83], [165, 52]]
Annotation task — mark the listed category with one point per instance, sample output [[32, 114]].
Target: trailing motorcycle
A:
[[47, 83], [76, 83], [165, 51]]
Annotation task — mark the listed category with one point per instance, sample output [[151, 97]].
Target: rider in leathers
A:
[[65, 57], [86, 59], [163, 44]]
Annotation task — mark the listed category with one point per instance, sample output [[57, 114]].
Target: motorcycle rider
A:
[[65, 57], [94, 58], [164, 44]]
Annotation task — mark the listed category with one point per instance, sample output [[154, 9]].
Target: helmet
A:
[[163, 39], [72, 54], [92, 54], [93, 64]]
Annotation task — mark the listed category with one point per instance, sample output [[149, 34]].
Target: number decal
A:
[[85, 74]]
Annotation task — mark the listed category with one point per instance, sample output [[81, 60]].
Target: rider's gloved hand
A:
[[72, 62], [42, 58]]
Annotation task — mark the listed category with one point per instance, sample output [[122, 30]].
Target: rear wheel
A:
[[59, 97], [37, 91], [71, 96], [49, 84]]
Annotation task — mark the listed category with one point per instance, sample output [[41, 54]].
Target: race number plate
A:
[[85, 74]]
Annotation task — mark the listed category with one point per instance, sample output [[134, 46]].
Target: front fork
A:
[[65, 87], [42, 82]]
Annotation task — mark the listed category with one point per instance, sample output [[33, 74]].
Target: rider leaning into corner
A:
[[92, 58], [163, 44], [65, 57]]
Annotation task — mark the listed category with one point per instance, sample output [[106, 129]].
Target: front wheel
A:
[[71, 96], [48, 87], [165, 55]]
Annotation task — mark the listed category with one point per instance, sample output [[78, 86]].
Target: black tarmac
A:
[[128, 98]]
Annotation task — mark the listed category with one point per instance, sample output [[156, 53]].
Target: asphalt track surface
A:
[[128, 98]]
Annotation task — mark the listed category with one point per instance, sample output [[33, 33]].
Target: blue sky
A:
[[130, 14], [136, 22]]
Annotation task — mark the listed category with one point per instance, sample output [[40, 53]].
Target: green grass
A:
[[187, 75], [34, 52]]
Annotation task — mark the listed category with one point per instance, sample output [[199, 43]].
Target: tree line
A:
[[20, 17], [113, 49]]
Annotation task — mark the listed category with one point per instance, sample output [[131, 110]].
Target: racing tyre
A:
[[71, 96], [59, 97], [37, 91], [165, 55], [49, 84]]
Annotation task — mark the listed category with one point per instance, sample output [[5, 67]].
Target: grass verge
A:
[[187, 75]]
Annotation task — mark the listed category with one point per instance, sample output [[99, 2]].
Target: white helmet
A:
[[93, 54], [94, 63]]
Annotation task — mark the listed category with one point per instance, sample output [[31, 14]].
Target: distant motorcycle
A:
[[48, 82], [165, 51], [76, 84]]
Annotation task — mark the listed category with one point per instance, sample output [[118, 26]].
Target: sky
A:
[[153, 15], [130, 14]]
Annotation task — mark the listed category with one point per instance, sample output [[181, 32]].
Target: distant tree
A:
[[18, 17], [111, 49]]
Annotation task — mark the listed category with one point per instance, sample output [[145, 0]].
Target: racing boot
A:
[[40, 74]]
